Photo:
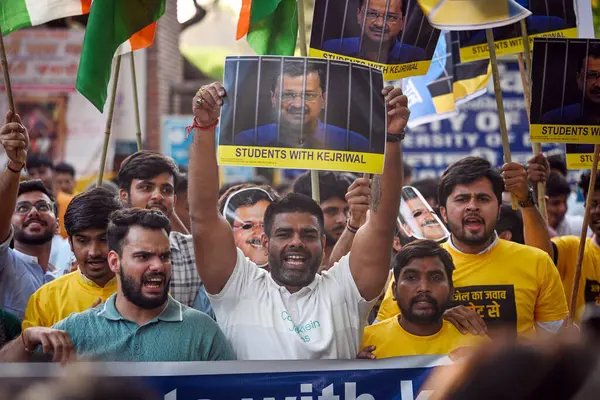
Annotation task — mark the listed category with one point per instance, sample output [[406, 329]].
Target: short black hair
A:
[[427, 187], [182, 186], [331, 185], [296, 68], [91, 210], [466, 171], [593, 51], [557, 162], [292, 203], [584, 183], [146, 165], [404, 5], [65, 168], [512, 221], [420, 249], [36, 185], [36, 160], [121, 221], [557, 185], [249, 198]]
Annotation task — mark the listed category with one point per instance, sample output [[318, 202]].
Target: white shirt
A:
[[264, 321], [571, 225]]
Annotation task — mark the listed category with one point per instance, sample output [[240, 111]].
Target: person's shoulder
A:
[[197, 319], [384, 325], [341, 44], [565, 115], [265, 133], [78, 322], [516, 250], [56, 285], [569, 240]]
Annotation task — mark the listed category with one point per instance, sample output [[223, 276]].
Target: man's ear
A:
[[123, 196], [57, 227], [506, 235], [444, 214], [114, 262], [264, 240], [324, 241], [397, 246], [70, 239]]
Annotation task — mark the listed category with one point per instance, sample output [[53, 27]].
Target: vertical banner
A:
[[565, 105], [298, 112], [392, 35]]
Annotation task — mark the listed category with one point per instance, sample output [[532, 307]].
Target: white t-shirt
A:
[[264, 321]]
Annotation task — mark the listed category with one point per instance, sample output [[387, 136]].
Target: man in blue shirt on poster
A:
[[299, 111], [381, 25]]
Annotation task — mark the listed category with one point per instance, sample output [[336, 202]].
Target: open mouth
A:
[[154, 283], [294, 259], [97, 264], [473, 222], [255, 243]]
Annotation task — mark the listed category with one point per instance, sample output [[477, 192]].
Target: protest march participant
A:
[[333, 188], [298, 96], [423, 290], [511, 286], [141, 322], [382, 24], [148, 180], [27, 215], [64, 178], [296, 313], [588, 83], [86, 221], [558, 191]]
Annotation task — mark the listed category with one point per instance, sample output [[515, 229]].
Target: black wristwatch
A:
[[395, 138], [529, 202]]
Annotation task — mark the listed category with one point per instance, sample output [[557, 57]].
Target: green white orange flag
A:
[[17, 14], [111, 24]]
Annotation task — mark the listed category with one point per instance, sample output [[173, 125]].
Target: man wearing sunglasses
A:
[[27, 216]]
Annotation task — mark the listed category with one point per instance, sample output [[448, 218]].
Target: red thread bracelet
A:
[[195, 124]]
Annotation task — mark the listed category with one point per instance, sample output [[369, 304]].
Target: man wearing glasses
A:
[[380, 39], [588, 82], [27, 216], [299, 114]]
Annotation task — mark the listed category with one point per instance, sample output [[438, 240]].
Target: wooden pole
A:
[[138, 125], [498, 89], [109, 118], [582, 238], [526, 79], [314, 175], [9, 94]]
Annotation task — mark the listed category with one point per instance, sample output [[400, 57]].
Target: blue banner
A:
[[388, 379], [475, 131]]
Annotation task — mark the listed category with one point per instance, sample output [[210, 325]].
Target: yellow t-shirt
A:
[[60, 298], [589, 284], [391, 340], [510, 285], [63, 200], [389, 308]]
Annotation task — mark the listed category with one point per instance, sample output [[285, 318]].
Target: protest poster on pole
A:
[[391, 35], [566, 91], [298, 112], [549, 18], [579, 156]]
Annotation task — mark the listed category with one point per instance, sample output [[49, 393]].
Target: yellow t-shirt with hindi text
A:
[[71, 293], [589, 284], [391, 340], [509, 285]]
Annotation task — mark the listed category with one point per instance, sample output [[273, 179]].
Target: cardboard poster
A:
[[579, 156], [417, 219], [549, 18], [565, 103], [298, 112], [391, 35]]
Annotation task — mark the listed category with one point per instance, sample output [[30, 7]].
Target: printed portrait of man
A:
[[417, 219], [380, 39], [588, 83], [298, 98]]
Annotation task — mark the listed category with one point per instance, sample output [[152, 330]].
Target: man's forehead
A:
[[91, 233], [33, 197], [482, 185], [146, 240], [158, 179], [395, 6], [301, 220], [593, 64], [426, 264], [334, 202], [291, 82]]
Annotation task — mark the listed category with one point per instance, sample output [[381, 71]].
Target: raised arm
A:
[[15, 141], [213, 239], [372, 247]]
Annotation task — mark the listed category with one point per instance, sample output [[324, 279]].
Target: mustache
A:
[[254, 242], [595, 90], [423, 297], [32, 220], [96, 260], [473, 215], [150, 275], [379, 30], [297, 110]]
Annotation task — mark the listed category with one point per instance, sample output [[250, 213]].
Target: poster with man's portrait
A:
[[302, 113], [392, 35], [566, 91], [549, 18], [417, 219]]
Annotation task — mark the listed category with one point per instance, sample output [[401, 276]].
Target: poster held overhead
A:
[[391, 35], [297, 112], [566, 91]]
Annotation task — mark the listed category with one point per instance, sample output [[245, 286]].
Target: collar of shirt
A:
[[34, 260], [494, 243], [172, 312], [87, 281], [283, 290]]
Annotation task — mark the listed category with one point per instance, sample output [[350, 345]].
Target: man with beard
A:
[[382, 24], [511, 286], [298, 97], [423, 290], [140, 322], [333, 188], [27, 215], [587, 111], [86, 221], [294, 312], [148, 180]]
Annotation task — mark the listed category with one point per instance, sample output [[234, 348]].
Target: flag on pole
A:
[[17, 14], [111, 24], [464, 15], [270, 26]]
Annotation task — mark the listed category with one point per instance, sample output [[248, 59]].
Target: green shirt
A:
[[10, 327], [178, 333]]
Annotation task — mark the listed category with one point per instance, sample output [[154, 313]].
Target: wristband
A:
[[395, 138], [351, 228], [16, 171], [195, 124], [24, 344]]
